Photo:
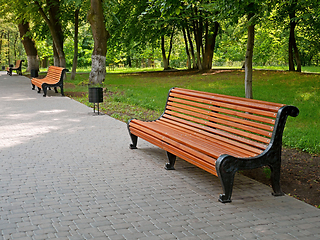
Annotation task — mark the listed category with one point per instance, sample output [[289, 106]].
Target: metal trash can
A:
[[34, 73], [95, 97]]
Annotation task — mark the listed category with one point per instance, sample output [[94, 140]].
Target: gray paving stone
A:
[[68, 174]]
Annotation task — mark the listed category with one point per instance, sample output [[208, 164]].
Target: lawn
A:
[[144, 95]]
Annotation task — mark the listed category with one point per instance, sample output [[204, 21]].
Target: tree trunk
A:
[[100, 37], [29, 46], [8, 48], [291, 63], [290, 50], [198, 38], [209, 46], [166, 60], [187, 48], [129, 62], [2, 33], [56, 60], [75, 40], [15, 47], [293, 45], [292, 40], [54, 25], [248, 61], [191, 49], [56, 32], [164, 56]]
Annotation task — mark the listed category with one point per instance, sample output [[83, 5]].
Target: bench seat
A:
[[54, 78], [218, 133]]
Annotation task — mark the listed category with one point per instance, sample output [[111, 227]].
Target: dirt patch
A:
[[75, 94], [300, 175]]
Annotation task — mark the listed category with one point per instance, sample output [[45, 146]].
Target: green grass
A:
[[305, 69], [149, 92]]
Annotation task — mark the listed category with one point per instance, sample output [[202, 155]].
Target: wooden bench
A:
[[17, 68], [218, 133], [54, 78]]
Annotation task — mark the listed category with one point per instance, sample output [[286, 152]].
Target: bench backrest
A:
[[18, 63], [54, 73], [242, 122]]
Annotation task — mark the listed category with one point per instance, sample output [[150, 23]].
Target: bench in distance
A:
[[17, 68], [218, 133], [54, 78]]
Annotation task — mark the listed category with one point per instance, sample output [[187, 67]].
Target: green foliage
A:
[[11, 48], [267, 172]]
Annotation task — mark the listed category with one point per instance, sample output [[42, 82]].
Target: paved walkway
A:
[[65, 173]]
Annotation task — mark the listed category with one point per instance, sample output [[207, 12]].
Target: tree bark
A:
[[209, 46], [166, 60], [171, 44], [8, 48], [100, 37], [56, 59], [54, 25], [187, 48], [15, 46], [2, 34], [29, 46], [290, 52], [293, 49], [191, 49], [198, 38], [75, 40], [164, 56], [248, 61]]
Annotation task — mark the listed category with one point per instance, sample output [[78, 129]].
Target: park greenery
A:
[[161, 33], [143, 95], [101, 36]]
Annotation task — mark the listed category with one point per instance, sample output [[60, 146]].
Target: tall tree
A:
[[248, 59], [211, 33], [255, 11], [29, 46], [298, 12], [165, 59], [100, 36], [52, 19], [293, 49], [75, 42], [194, 20]]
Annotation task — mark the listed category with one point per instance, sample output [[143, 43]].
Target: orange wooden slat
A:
[[221, 127], [269, 106], [225, 116], [221, 121], [227, 105], [243, 115], [177, 152], [211, 148], [217, 132], [173, 142], [208, 143], [212, 137]]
